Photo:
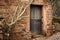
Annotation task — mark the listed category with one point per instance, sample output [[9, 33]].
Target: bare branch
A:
[[18, 17], [14, 14], [23, 17], [20, 11]]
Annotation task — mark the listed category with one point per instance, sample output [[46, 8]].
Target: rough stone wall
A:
[[47, 17], [7, 9], [49, 26]]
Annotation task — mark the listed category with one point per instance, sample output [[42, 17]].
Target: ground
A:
[[29, 36], [55, 36]]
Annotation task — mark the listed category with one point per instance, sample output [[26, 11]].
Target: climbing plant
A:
[[56, 12]]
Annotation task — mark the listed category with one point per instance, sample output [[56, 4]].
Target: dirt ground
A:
[[55, 36]]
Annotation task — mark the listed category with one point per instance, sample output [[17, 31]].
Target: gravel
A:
[[55, 36]]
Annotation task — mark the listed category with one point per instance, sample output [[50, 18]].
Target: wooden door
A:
[[35, 19]]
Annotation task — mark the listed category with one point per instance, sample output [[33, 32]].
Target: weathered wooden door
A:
[[35, 19]]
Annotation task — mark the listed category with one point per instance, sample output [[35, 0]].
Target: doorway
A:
[[36, 19]]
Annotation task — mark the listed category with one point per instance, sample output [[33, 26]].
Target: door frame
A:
[[44, 16], [40, 9], [28, 11]]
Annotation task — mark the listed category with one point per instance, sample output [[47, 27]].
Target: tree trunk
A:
[[6, 36]]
